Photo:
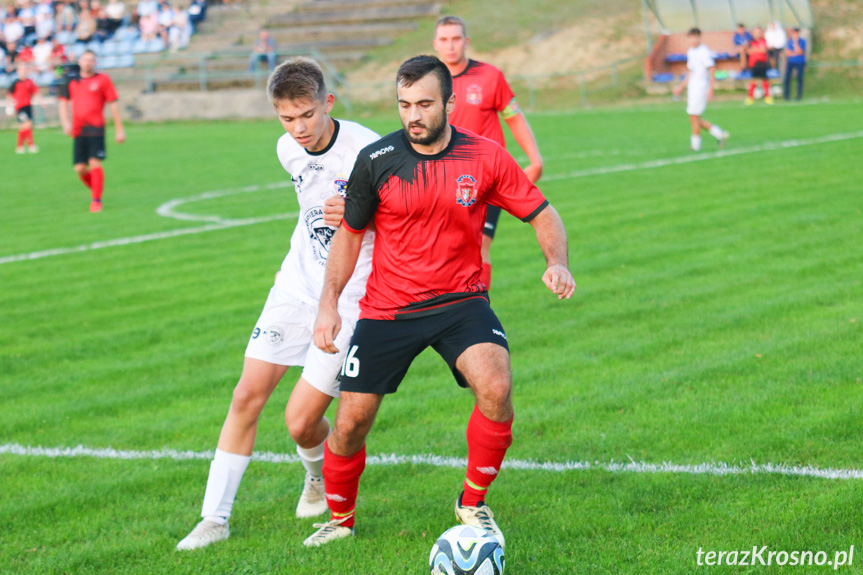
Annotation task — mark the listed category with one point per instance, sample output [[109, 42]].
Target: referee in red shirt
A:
[[88, 91], [426, 189], [481, 94]]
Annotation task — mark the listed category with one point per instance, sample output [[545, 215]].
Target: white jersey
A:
[[698, 62], [316, 177]]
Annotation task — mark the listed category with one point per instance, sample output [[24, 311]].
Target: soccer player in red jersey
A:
[[22, 93], [482, 94], [88, 92], [426, 189], [759, 65]]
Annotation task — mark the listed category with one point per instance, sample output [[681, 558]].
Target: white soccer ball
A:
[[466, 550], [759, 93], [776, 91]]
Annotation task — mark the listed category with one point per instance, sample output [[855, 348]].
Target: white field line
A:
[[218, 223], [716, 468], [662, 163]]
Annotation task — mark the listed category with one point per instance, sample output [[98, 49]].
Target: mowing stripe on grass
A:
[[168, 209], [717, 468]]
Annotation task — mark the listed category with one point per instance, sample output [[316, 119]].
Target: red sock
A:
[[766, 87], [342, 482], [485, 275], [20, 138], [28, 135], [752, 89], [85, 177], [487, 442], [97, 179]]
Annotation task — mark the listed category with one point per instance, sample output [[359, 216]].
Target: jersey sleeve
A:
[[109, 91], [361, 199], [34, 89], [504, 98], [513, 191]]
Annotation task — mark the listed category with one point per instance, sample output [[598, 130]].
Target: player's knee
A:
[[301, 429], [247, 398], [496, 391], [81, 169]]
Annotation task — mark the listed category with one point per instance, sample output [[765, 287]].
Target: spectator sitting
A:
[[165, 19], [796, 61], [181, 31], [42, 54], [45, 8], [197, 12], [44, 25], [149, 25], [263, 51], [58, 55], [13, 32], [86, 28], [776, 41], [66, 16], [742, 38], [103, 31], [147, 8], [115, 11], [27, 16]]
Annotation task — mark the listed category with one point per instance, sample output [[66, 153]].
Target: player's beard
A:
[[434, 132]]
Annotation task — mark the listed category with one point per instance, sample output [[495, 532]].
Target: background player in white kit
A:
[[319, 153], [699, 83]]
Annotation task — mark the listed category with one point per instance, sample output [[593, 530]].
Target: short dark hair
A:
[[694, 32], [741, 25], [297, 79], [87, 52], [450, 21], [795, 29], [418, 67]]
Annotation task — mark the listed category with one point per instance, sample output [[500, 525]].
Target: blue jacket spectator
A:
[[796, 51]]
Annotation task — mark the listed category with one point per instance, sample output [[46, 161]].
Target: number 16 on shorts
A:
[[351, 366]]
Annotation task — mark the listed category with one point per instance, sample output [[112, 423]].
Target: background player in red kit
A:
[[88, 93], [482, 94], [23, 91], [426, 188]]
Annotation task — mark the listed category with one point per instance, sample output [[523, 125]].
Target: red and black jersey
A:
[[22, 92], [429, 212], [756, 57], [89, 96], [481, 93]]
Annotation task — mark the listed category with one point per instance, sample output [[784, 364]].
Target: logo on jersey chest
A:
[[465, 193], [474, 94], [320, 234], [341, 186]]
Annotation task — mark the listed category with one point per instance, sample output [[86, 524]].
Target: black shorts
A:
[[381, 351], [87, 147], [25, 114], [491, 217], [759, 70]]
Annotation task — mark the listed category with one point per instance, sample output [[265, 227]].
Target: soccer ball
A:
[[466, 550]]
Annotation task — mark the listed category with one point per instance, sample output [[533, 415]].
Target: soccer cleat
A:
[[768, 100], [312, 500], [33, 149], [750, 101], [479, 516], [95, 206], [329, 531], [205, 533], [20, 150], [723, 140]]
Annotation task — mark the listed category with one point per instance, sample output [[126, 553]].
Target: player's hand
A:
[[678, 90], [328, 324], [67, 129], [559, 280], [10, 111], [334, 211], [120, 136], [533, 172]]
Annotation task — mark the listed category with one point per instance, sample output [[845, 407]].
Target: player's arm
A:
[[64, 108], [712, 74], [551, 236], [119, 133], [344, 253], [524, 136], [678, 90]]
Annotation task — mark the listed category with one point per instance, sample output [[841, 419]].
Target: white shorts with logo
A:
[[696, 101], [284, 335]]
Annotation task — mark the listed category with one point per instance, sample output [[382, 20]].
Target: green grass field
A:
[[718, 320]]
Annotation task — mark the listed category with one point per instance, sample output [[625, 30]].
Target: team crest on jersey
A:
[[474, 94], [465, 194], [341, 186], [320, 234]]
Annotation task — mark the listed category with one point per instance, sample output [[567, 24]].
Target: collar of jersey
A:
[[470, 64], [332, 141], [428, 157]]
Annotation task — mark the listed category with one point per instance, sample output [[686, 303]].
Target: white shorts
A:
[[696, 102], [284, 336]]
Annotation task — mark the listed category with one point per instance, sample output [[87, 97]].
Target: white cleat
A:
[[20, 150], [33, 149], [329, 531], [312, 502], [205, 533], [480, 516], [723, 140]]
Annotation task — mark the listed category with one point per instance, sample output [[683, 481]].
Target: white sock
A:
[[313, 458], [226, 472], [716, 132], [696, 143]]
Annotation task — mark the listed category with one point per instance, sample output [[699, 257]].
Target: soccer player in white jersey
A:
[[319, 153], [699, 84]]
